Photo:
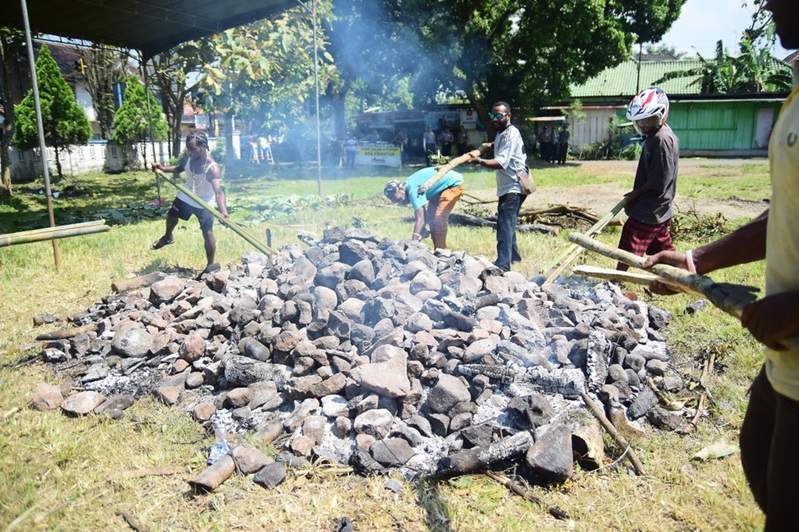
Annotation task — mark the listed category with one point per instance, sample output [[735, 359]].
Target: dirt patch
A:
[[601, 197]]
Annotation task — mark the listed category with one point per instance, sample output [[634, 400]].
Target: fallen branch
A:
[[709, 362], [137, 282], [63, 334], [596, 410], [525, 493]]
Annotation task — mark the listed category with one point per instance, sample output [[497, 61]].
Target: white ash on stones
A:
[[382, 354]]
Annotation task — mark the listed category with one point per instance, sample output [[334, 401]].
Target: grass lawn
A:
[[65, 473]]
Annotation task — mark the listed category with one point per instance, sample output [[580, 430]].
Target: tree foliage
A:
[[130, 120], [264, 70], [64, 121], [523, 52], [173, 71], [11, 47]]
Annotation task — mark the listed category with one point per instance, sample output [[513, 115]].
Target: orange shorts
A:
[[441, 206]]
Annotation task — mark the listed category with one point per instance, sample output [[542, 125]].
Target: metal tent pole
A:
[[314, 6], [40, 129], [143, 66]]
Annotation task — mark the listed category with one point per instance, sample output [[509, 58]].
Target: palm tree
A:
[[755, 70]]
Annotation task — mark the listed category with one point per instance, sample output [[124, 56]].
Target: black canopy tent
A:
[[150, 26]]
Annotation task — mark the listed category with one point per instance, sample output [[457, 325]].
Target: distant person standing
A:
[[563, 144], [649, 204], [429, 144], [548, 142], [462, 139], [446, 138], [265, 150], [350, 151], [510, 163]]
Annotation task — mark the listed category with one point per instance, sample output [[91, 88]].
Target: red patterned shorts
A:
[[642, 239]]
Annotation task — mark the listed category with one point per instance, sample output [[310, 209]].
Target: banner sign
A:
[[378, 155]]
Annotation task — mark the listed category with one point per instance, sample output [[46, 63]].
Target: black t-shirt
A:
[[657, 175]]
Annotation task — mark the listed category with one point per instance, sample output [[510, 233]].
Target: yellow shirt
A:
[[782, 241]]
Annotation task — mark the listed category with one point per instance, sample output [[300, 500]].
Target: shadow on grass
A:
[[120, 199], [436, 512], [161, 265]]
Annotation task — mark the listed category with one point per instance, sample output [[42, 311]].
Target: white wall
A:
[[95, 157], [591, 129]]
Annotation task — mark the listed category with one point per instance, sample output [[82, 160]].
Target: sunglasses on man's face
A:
[[497, 116]]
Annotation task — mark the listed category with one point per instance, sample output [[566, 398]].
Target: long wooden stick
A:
[[457, 161], [575, 250], [730, 298], [260, 246], [609, 274], [55, 228], [12, 239], [596, 410]]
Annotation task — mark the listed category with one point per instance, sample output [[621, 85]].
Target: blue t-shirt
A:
[[417, 179]]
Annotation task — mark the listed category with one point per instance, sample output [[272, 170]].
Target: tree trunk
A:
[[176, 135], [230, 154], [482, 113], [339, 116], [144, 154], [6, 69], [57, 162]]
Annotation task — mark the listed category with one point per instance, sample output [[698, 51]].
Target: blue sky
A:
[[703, 22]]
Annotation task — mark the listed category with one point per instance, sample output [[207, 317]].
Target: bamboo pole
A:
[[457, 161], [575, 250], [13, 239], [732, 299], [56, 228], [236, 228], [609, 274]]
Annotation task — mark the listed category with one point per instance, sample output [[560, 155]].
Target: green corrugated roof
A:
[[621, 80]]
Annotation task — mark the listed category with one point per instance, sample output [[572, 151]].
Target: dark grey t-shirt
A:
[[657, 175]]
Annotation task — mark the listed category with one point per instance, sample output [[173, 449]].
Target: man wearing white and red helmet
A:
[[649, 204]]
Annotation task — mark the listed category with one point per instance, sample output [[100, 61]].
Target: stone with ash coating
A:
[[447, 392], [131, 340], [374, 422], [82, 403], [550, 457], [425, 281], [391, 451], [334, 406], [252, 348], [389, 378]]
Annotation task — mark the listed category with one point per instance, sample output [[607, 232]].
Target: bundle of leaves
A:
[[691, 225], [260, 210]]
